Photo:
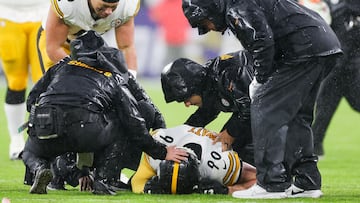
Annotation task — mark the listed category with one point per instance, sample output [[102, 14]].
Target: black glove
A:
[[244, 108], [208, 186]]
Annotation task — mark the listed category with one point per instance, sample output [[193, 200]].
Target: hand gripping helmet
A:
[[175, 178], [198, 10], [181, 79]]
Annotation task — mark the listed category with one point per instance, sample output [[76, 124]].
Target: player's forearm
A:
[[57, 54]]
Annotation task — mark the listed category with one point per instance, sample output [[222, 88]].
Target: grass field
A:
[[339, 168]]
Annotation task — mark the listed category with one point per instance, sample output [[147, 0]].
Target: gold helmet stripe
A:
[[175, 178]]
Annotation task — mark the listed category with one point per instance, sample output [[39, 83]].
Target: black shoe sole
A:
[[42, 179]]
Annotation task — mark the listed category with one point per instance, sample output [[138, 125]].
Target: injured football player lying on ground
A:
[[208, 170]]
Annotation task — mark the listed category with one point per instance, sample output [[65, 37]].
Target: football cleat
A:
[[42, 179]]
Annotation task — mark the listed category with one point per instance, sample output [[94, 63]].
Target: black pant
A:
[[96, 134], [281, 116], [343, 81]]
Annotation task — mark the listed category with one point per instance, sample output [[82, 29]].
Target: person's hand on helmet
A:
[[176, 154], [226, 140]]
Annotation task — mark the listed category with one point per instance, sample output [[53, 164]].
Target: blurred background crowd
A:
[[163, 35]]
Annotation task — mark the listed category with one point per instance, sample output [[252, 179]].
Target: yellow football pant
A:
[[18, 53]]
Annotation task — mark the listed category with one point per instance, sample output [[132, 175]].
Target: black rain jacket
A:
[[226, 90], [278, 30], [98, 81]]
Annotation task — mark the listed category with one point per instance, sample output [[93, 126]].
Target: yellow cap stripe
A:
[[57, 9], [234, 176], [229, 171], [174, 178]]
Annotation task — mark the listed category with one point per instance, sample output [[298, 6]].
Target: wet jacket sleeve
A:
[[237, 127], [202, 117], [135, 125], [249, 24], [43, 83], [140, 94]]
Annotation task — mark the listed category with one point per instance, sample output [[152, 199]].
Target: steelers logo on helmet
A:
[[228, 168]]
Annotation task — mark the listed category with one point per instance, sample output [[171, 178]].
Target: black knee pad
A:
[[15, 97]]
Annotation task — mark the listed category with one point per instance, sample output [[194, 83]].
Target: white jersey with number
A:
[[225, 167], [76, 14], [22, 11]]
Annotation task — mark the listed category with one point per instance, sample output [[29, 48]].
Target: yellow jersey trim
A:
[[83, 65], [55, 5], [237, 168], [229, 171]]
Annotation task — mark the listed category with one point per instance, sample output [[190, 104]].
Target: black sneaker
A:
[[57, 183], [101, 188], [55, 186], [42, 178], [119, 186]]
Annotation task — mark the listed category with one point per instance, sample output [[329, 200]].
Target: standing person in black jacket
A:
[[221, 85], [344, 79], [293, 49], [89, 103]]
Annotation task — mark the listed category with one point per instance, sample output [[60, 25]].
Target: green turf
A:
[[339, 168]]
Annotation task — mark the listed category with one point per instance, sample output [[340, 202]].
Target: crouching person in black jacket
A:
[[89, 103], [221, 85]]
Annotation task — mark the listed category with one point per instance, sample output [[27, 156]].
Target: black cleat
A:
[[57, 183], [54, 186], [118, 185], [42, 179], [101, 188]]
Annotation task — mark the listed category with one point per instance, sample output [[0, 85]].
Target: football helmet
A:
[[175, 178]]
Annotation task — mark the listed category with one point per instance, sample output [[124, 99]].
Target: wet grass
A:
[[339, 167]]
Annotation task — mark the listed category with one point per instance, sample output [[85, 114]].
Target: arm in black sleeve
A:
[[135, 124], [237, 127], [250, 26], [43, 83], [202, 117], [140, 95]]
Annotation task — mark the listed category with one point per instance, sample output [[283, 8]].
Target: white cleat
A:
[[293, 192], [15, 149], [257, 192]]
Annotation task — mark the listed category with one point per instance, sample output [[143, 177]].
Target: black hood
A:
[[198, 10], [90, 48], [181, 79]]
